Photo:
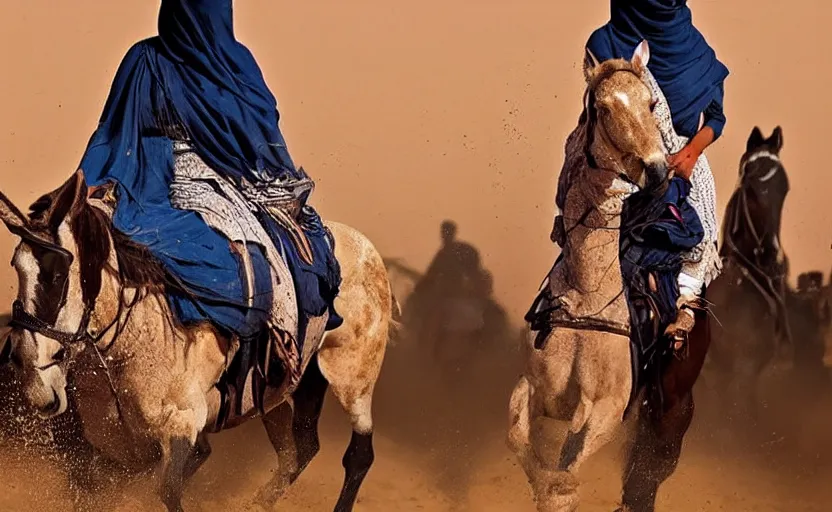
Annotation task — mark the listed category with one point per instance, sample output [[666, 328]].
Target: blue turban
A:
[[684, 65]]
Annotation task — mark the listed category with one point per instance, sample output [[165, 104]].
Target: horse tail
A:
[[395, 317]]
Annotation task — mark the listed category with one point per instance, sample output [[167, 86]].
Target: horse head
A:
[[64, 246], [762, 171], [622, 134], [754, 213]]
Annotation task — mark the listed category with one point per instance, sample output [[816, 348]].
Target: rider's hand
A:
[[684, 161]]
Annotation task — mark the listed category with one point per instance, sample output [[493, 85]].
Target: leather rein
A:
[[69, 341], [74, 343], [560, 317], [760, 278]]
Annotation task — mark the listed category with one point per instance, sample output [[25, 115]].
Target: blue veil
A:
[[196, 76], [684, 65]]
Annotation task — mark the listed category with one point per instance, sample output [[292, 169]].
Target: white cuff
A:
[[689, 285]]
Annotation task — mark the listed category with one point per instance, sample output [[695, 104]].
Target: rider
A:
[[688, 86], [201, 177]]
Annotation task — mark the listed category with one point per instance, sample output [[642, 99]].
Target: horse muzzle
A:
[[44, 397], [5, 349], [657, 176]]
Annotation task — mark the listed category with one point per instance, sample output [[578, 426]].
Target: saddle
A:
[[271, 359], [548, 312], [285, 203]]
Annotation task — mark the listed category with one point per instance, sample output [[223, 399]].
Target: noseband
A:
[[70, 342], [28, 322]]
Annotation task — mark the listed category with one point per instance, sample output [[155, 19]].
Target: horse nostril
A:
[[53, 407], [6, 351], [60, 355]]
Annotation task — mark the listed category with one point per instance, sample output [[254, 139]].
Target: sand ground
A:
[[410, 113]]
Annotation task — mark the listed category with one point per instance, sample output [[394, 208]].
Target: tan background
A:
[[410, 112], [407, 113]]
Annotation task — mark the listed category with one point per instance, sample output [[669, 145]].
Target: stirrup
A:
[[681, 347], [679, 331]]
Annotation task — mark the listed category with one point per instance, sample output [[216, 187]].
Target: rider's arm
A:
[[713, 123]]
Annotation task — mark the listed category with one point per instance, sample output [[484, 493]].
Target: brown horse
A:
[[144, 387], [749, 299]]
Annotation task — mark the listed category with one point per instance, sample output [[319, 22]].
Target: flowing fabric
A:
[[196, 80], [685, 66], [654, 235]]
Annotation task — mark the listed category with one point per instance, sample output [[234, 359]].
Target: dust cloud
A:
[[407, 115]]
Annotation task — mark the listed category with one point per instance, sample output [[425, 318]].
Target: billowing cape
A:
[[197, 78]]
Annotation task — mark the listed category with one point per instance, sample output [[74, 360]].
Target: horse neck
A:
[[754, 232], [119, 304], [592, 220]]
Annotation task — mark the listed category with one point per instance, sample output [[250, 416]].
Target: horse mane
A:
[[580, 140], [589, 116], [95, 238]]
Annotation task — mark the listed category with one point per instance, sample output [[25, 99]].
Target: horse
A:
[[749, 299], [577, 380], [92, 314], [826, 302], [810, 319]]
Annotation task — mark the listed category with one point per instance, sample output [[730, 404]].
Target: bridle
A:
[[763, 279], [743, 214], [74, 343], [589, 120], [549, 311], [68, 341]]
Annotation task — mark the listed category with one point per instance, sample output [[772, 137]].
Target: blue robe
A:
[[654, 235], [684, 65], [197, 79]]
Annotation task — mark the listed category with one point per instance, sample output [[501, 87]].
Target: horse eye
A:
[[60, 355]]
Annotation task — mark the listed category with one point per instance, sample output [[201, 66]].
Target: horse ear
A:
[[641, 57], [11, 215], [66, 199], [776, 140], [755, 140], [590, 63], [17, 223]]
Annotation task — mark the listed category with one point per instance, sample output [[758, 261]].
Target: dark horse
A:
[[667, 406], [750, 298]]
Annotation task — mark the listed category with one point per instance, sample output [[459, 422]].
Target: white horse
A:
[[577, 379], [144, 386]]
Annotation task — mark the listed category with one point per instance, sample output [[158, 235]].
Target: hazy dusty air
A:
[[409, 113]]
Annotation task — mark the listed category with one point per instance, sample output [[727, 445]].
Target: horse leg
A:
[[538, 442], [294, 433], [176, 452], [178, 440], [200, 454], [742, 396], [68, 434], [356, 399], [352, 371], [654, 453]]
